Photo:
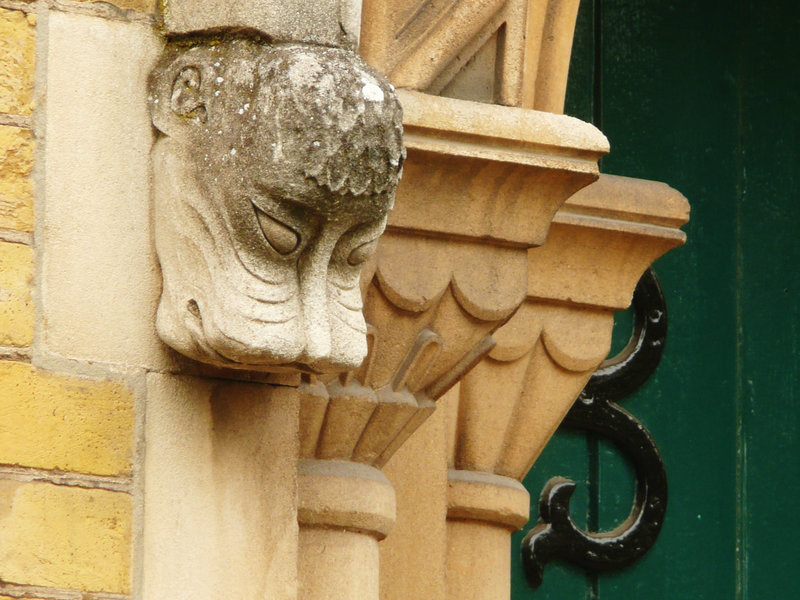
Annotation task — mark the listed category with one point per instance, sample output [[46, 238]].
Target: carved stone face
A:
[[272, 184]]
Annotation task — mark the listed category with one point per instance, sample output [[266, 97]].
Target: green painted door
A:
[[703, 95]]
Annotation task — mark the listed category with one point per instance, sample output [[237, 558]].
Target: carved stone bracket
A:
[[511, 403], [481, 185], [278, 155], [555, 536], [274, 173]]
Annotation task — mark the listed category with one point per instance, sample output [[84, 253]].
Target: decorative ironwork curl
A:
[[556, 537]]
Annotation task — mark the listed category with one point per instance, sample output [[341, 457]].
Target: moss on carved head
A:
[[320, 113]]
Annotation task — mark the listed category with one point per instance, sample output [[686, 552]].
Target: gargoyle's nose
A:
[[314, 306]]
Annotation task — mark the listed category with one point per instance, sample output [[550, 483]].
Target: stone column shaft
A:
[[344, 509], [483, 510]]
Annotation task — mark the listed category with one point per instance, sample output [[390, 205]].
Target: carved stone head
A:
[[272, 182]]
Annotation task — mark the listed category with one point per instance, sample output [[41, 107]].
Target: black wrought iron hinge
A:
[[555, 536]]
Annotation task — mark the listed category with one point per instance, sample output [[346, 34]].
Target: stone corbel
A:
[[480, 188], [510, 404]]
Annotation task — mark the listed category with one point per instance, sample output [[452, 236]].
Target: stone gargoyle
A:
[[274, 171]]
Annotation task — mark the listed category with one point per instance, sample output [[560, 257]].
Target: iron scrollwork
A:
[[556, 537]]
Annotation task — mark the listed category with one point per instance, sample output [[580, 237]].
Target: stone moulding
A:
[[323, 22], [508, 52], [488, 172]]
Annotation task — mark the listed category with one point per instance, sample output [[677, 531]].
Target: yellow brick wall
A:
[[65, 537], [66, 441], [16, 190], [17, 49], [87, 425]]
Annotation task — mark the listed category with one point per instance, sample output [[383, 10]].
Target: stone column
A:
[[483, 509], [344, 510]]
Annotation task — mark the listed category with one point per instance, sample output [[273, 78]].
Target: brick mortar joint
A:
[[26, 7], [102, 10], [30, 591], [16, 353], [11, 120], [122, 484], [14, 236]]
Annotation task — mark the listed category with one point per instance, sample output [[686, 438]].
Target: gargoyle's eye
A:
[[279, 235], [362, 253]]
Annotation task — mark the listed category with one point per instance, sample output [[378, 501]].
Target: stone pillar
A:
[[344, 510], [483, 510]]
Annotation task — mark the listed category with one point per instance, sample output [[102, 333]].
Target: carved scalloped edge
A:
[[483, 309], [532, 331]]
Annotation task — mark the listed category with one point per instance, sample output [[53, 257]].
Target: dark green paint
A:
[[706, 97]]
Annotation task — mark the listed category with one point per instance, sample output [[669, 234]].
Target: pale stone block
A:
[[419, 474], [220, 490], [17, 52], [324, 22], [16, 191], [58, 536], [16, 307], [100, 280], [51, 421]]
